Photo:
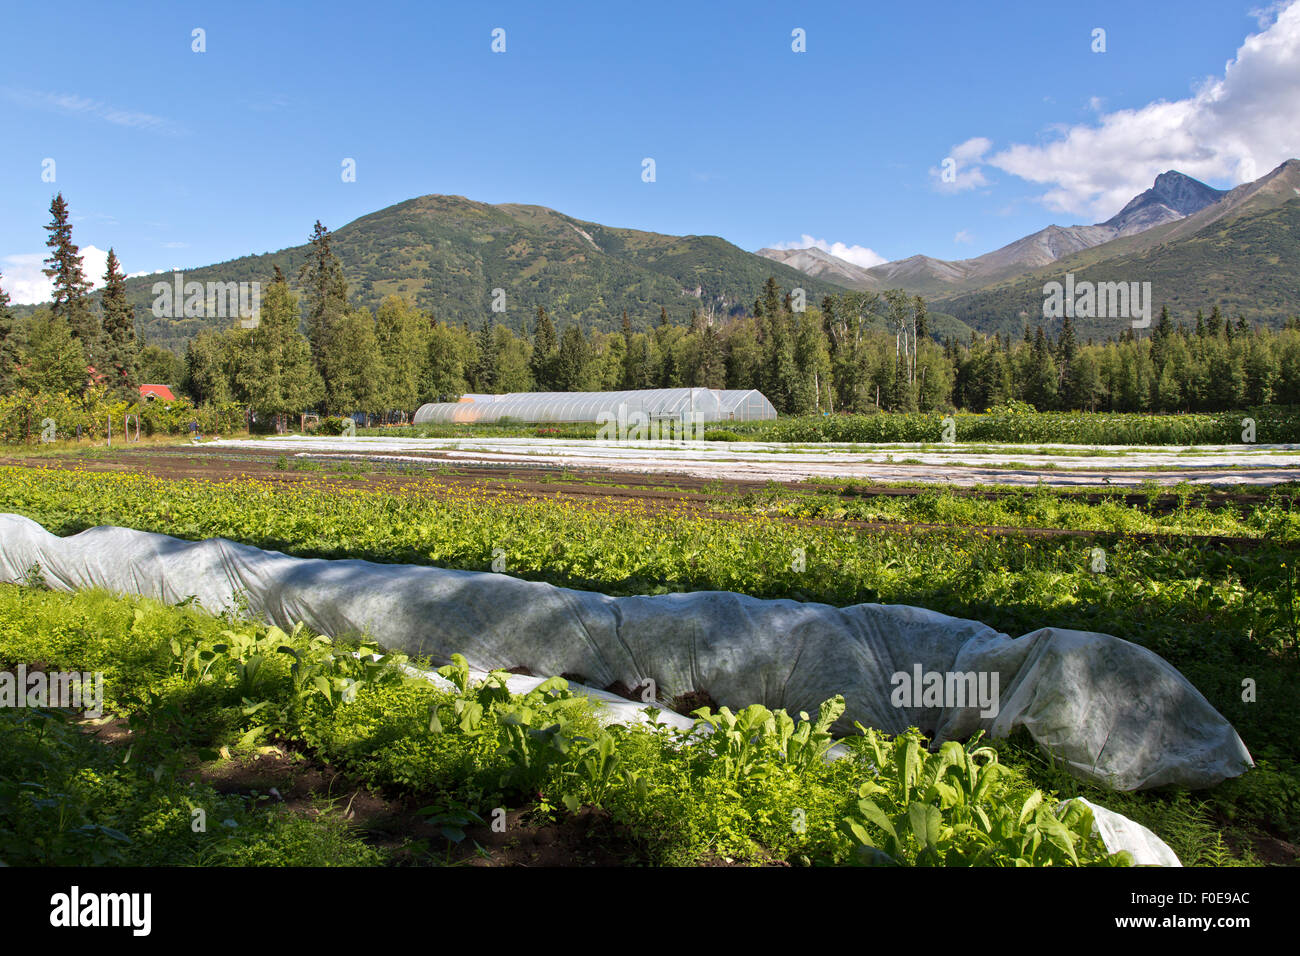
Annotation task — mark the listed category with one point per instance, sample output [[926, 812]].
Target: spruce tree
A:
[[712, 369], [542, 361], [776, 376], [1066, 346], [1040, 389], [8, 348], [71, 300], [487, 373], [327, 298], [1160, 340], [669, 373], [571, 360], [122, 350], [636, 359], [771, 298], [1067, 350]]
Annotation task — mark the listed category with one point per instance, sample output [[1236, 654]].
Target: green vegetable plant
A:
[[743, 742], [954, 808]]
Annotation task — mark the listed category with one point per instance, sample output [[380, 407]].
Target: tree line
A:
[[79, 341], [854, 352]]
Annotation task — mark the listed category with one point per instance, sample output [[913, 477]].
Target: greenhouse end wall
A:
[[660, 404]]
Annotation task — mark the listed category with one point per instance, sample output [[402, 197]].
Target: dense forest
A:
[[852, 352]]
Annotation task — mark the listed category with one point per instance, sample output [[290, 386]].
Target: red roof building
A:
[[151, 392]]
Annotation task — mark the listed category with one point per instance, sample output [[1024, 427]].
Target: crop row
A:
[[1161, 511], [756, 788], [1221, 617], [1268, 425]]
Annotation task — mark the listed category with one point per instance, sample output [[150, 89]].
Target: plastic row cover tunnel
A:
[[1112, 712], [683, 404]]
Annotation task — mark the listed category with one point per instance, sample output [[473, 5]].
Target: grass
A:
[[87, 448]]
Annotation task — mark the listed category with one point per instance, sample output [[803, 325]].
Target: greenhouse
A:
[[744, 405], [649, 405]]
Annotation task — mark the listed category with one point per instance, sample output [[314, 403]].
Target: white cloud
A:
[[1265, 15], [26, 285], [963, 236], [1234, 127], [858, 255], [973, 150], [72, 104], [965, 169]]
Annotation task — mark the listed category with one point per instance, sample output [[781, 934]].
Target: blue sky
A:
[[178, 158]]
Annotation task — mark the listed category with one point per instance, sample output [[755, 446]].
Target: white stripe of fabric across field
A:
[[958, 464]]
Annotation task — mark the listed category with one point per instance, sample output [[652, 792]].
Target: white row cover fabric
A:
[[681, 404], [1117, 831], [1110, 711]]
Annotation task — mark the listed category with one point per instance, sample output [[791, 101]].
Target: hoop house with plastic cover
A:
[[745, 405], [675, 404]]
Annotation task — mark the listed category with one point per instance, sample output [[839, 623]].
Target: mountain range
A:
[[1172, 197], [1197, 245]]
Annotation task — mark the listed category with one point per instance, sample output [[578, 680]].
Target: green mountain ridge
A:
[[447, 254]]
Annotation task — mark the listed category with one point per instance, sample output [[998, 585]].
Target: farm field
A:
[[226, 717], [1204, 576], [960, 464], [594, 477]]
